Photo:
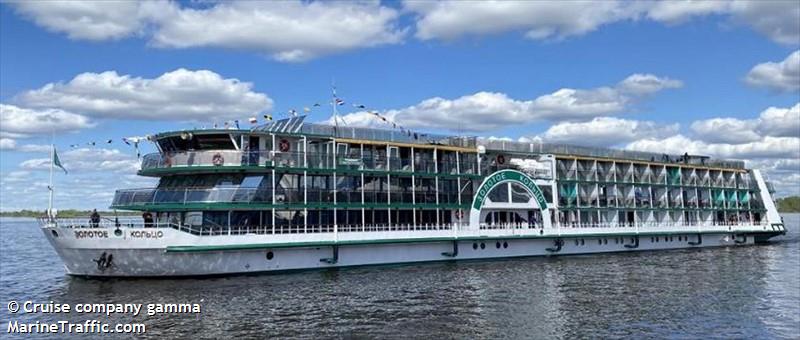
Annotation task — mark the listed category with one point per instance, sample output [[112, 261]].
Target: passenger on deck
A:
[[148, 219], [94, 218]]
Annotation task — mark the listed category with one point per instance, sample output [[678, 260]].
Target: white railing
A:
[[105, 222], [216, 230]]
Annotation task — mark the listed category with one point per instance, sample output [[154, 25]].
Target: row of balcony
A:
[[601, 202], [592, 176], [224, 158]]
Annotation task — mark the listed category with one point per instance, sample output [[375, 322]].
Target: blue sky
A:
[[699, 77]]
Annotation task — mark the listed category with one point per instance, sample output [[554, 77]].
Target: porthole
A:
[[576, 242], [656, 239], [505, 244], [475, 246], [270, 255], [605, 241], [117, 232], [599, 241], [55, 233], [652, 239], [582, 242], [483, 245], [497, 245]]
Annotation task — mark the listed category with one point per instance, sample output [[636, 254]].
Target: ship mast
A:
[[335, 110], [50, 214]]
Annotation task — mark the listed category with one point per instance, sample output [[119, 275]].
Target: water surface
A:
[[741, 292]]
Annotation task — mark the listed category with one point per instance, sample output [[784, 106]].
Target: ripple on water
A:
[[746, 292]]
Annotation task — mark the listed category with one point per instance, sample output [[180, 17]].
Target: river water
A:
[[742, 292]]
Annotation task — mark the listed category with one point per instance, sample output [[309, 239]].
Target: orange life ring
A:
[[217, 159]]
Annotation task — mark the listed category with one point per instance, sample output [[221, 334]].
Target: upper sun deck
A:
[[225, 149]]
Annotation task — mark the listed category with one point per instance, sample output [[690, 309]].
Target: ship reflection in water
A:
[[746, 292]]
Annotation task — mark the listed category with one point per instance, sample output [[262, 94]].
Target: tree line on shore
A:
[[66, 213]]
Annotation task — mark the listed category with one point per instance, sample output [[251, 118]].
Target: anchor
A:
[[104, 262], [558, 243], [334, 259], [453, 253]]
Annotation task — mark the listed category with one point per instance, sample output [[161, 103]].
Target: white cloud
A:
[[768, 147], [88, 160], [90, 20], [7, 144], [286, 30], [76, 190], [778, 20], [774, 121], [16, 176], [644, 84], [782, 76], [674, 12], [726, 130], [18, 122], [606, 131], [36, 148], [537, 19], [780, 122], [178, 95], [485, 111]]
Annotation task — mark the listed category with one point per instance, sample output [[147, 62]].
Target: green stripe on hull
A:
[[193, 249]]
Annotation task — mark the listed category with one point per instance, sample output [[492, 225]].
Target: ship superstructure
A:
[[296, 195]]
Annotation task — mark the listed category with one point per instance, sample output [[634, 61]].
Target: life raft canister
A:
[[217, 159]]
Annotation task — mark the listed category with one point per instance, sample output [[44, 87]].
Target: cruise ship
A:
[[294, 195]]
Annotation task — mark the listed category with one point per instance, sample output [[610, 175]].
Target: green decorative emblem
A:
[[505, 176]]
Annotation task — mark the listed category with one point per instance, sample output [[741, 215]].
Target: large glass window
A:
[[376, 189], [448, 191], [289, 188], [402, 190], [348, 189], [426, 190]]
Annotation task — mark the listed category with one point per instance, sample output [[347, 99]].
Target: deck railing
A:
[[221, 158], [216, 230]]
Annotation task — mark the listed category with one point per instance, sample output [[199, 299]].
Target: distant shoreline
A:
[[68, 213]]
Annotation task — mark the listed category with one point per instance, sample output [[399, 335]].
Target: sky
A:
[[713, 78]]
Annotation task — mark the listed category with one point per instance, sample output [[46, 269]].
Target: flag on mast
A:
[[56, 161]]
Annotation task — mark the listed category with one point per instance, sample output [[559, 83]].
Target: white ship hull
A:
[[165, 252]]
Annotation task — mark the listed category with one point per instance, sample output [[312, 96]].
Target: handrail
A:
[[206, 230]]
